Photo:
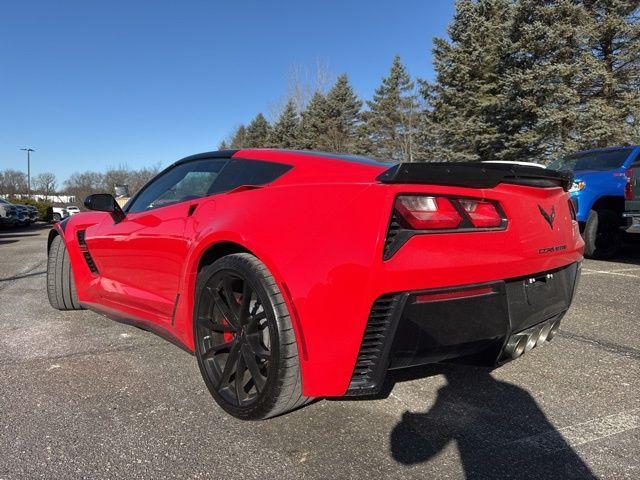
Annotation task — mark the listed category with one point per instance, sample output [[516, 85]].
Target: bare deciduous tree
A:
[[45, 183], [12, 182], [302, 83]]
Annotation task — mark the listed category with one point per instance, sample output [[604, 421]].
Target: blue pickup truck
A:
[[602, 180]]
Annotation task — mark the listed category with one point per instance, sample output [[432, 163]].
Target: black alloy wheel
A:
[[236, 343], [244, 340]]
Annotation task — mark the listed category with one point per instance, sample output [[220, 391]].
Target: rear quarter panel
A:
[[320, 243]]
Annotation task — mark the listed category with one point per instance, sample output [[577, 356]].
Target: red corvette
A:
[[293, 275]]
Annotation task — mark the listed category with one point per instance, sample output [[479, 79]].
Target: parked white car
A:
[[59, 213], [72, 210]]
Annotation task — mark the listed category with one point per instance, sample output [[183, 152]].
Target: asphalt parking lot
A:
[[82, 396]]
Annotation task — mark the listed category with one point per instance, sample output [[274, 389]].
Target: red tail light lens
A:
[[422, 212], [628, 189], [428, 213], [483, 214]]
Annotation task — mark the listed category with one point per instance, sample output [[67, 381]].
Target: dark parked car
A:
[[8, 213], [33, 213], [23, 215]]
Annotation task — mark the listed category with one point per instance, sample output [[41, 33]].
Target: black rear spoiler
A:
[[475, 175]]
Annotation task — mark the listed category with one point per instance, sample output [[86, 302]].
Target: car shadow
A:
[[629, 253], [4, 235], [5, 242], [26, 275], [25, 230], [498, 428]]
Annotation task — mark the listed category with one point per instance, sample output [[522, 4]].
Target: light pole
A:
[[28, 150]]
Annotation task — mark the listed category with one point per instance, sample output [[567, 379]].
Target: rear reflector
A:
[[456, 294]]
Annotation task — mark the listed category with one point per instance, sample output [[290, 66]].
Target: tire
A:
[[240, 318], [61, 288], [56, 217], [602, 235]]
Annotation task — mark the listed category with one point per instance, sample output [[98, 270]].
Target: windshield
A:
[[603, 160]]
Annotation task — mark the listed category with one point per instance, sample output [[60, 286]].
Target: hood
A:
[[594, 174]]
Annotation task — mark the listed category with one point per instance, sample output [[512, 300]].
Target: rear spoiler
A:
[[475, 175]]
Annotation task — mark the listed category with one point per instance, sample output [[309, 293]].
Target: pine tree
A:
[[611, 89], [343, 115], [390, 122], [314, 122], [238, 139], [543, 103], [258, 132], [464, 120], [534, 79], [223, 145], [285, 131]]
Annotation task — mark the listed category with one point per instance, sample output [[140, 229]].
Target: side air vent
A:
[[376, 341], [90, 263], [85, 252], [392, 233]]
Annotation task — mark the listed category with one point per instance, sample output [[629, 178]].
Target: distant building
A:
[[50, 198]]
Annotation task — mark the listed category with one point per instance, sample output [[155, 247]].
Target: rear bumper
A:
[[471, 324]]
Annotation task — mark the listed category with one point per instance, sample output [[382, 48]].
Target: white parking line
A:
[[588, 271], [587, 432]]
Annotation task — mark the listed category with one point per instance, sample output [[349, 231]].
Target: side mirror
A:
[[104, 202]]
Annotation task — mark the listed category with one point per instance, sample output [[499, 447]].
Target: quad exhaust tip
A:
[[525, 341]]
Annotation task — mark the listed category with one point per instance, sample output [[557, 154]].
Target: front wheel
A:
[[244, 340], [61, 288], [602, 235]]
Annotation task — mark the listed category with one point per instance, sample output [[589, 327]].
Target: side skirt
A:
[[136, 322]]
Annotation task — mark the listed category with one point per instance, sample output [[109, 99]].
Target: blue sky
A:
[[94, 84]]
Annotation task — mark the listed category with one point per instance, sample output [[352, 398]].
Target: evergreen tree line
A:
[[515, 80]]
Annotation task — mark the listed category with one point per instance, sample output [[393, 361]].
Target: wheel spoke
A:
[[239, 381], [220, 328], [226, 311], [255, 320], [246, 302], [231, 300], [211, 351], [230, 364], [254, 370], [258, 349]]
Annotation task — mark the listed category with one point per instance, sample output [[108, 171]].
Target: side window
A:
[[186, 181], [247, 172]]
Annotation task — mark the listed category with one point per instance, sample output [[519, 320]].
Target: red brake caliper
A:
[[228, 336]]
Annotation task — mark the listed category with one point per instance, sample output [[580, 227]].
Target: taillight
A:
[[421, 212], [628, 189], [428, 213], [483, 214]]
